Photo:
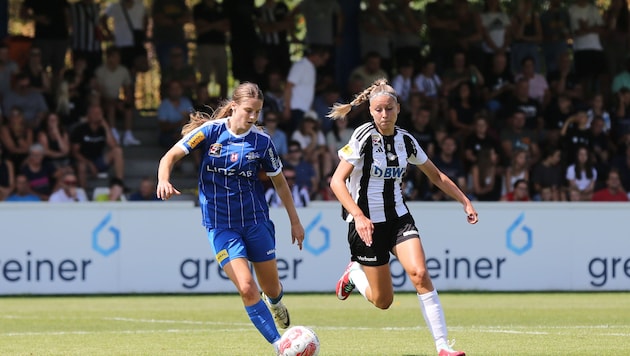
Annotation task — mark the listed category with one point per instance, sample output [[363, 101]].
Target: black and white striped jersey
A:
[[379, 164]]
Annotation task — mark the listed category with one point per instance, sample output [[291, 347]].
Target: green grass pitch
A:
[[482, 324]]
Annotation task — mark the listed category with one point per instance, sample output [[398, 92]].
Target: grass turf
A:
[[482, 324]]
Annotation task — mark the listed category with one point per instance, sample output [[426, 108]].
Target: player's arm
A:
[[449, 187], [164, 187], [283, 191]]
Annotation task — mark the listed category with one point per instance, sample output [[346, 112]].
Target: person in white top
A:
[[590, 60], [68, 191]]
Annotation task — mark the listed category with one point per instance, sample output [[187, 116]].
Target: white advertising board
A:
[[116, 248]]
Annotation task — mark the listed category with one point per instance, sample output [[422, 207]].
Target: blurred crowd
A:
[[514, 101]]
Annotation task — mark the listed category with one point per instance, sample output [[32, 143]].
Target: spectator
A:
[[621, 120], [40, 174], [113, 78], [7, 176], [590, 61], [336, 138], [87, 34], [325, 193], [406, 41], [375, 33], [130, 21], [527, 35], [328, 97], [615, 35], [621, 163], [16, 138], [38, 75], [172, 114], [403, 83], [179, 70], [371, 69], [516, 136], [52, 20], [614, 190], [538, 86], [115, 191], [448, 161], [429, 84], [299, 91], [305, 176], [301, 195], [68, 190], [94, 149], [517, 170], [313, 144], [575, 134], [520, 100], [519, 192], [499, 83], [581, 175], [463, 108], [420, 126], [462, 72], [564, 80], [602, 145], [55, 140], [478, 140], [279, 137], [274, 95], [442, 29], [497, 30], [470, 33], [486, 176], [622, 79], [547, 176], [74, 92], [211, 26], [598, 109], [31, 103], [556, 30], [555, 116], [22, 192], [8, 69], [145, 192], [169, 18], [275, 23], [243, 36], [203, 102]]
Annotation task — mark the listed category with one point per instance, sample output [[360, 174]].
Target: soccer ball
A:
[[299, 341]]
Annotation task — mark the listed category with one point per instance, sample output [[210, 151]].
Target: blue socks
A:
[[261, 317]]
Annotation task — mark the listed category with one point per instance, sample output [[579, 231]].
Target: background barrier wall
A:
[[162, 248]]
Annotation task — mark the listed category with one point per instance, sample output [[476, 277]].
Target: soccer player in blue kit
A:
[[232, 199]]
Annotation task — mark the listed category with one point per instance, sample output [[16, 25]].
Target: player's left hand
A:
[[471, 214], [297, 234]]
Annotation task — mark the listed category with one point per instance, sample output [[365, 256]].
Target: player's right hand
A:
[[165, 190]]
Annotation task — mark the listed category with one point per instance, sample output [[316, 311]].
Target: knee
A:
[[383, 302], [248, 291], [419, 276]]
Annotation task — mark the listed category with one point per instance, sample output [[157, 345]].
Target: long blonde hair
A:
[[379, 87], [244, 91]]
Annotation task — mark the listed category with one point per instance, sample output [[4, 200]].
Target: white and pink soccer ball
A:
[[299, 341]]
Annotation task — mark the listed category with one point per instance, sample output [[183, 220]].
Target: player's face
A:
[[384, 109], [245, 115]]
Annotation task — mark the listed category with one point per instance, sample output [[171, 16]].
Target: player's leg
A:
[[411, 255], [231, 254], [380, 291], [259, 240]]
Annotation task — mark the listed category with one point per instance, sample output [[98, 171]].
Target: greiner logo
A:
[[42, 269]]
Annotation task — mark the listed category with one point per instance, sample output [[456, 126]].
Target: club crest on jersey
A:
[[376, 140], [215, 150], [252, 156], [234, 157]]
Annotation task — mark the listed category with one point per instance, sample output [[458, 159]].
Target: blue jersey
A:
[[230, 193]]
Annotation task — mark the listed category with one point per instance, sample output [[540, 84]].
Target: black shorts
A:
[[386, 235]]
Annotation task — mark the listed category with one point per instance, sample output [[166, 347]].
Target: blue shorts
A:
[[255, 243]]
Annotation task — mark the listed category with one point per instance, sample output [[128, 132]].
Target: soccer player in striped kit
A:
[[232, 199], [367, 182]]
